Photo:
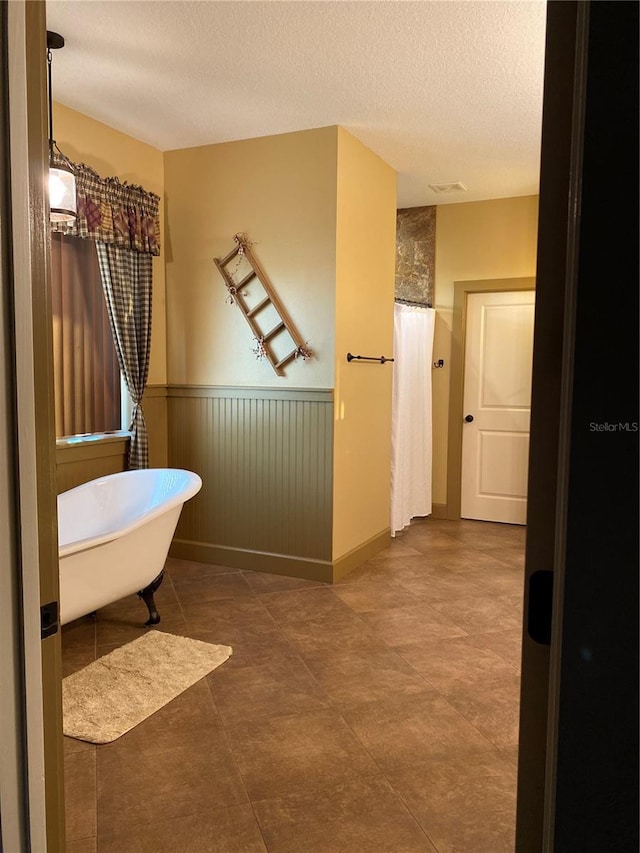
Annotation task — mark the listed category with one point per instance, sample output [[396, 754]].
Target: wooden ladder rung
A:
[[286, 359], [253, 311], [274, 331], [229, 257], [246, 279]]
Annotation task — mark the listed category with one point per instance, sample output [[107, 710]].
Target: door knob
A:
[[469, 418]]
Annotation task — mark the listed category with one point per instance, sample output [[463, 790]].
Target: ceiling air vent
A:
[[452, 187]]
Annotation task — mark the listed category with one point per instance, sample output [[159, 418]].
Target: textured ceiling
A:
[[442, 91]]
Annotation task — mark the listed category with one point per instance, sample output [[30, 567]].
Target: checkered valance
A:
[[113, 212]]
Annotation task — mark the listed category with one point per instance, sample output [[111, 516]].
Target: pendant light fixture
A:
[[62, 181]]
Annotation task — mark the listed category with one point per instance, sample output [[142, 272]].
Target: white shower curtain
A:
[[411, 414]]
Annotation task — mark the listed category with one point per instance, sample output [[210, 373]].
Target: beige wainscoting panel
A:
[[81, 461], [265, 458], [154, 404]]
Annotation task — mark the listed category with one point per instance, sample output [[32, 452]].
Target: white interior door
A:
[[497, 405]]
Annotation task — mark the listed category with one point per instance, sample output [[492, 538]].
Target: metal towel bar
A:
[[381, 359]]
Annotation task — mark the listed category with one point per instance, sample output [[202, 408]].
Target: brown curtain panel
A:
[[86, 371]]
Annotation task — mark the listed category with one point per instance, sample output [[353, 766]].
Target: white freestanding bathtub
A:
[[114, 535]]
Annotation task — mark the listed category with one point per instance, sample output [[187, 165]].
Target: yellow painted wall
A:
[[112, 153], [281, 192], [365, 273], [327, 244], [320, 208], [478, 240]]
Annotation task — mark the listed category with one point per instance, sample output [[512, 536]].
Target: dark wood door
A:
[[578, 768]]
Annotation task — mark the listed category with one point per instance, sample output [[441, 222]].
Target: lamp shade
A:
[[62, 193]]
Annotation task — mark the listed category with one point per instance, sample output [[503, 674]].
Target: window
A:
[[86, 372]]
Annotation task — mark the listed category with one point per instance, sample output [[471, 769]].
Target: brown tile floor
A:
[[379, 714]]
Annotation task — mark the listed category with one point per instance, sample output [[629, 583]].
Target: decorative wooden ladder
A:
[[264, 339]]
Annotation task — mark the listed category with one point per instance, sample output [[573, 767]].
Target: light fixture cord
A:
[[49, 58]]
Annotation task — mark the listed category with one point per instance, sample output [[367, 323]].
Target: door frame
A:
[[578, 745], [36, 695], [461, 289]]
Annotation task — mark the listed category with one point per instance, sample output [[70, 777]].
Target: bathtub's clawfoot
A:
[[146, 595]]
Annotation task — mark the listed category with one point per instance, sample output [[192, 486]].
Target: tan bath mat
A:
[[112, 695]]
